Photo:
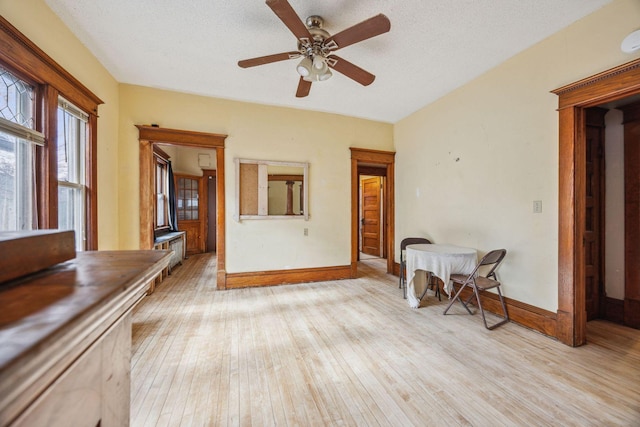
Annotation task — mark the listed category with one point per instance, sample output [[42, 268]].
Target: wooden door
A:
[[370, 202], [594, 204], [632, 215], [191, 213]]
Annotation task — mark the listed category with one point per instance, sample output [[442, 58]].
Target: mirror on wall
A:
[[268, 189]]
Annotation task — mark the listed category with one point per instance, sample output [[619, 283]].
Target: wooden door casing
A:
[[370, 202], [212, 212], [614, 84], [632, 215], [594, 213]]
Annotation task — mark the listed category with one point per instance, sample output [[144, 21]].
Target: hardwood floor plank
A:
[[352, 352]]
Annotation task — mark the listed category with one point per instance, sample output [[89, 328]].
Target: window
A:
[[187, 199], [18, 140], [162, 194], [48, 144], [72, 140]]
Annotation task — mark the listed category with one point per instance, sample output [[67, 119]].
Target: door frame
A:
[[573, 99], [362, 157], [208, 175], [150, 135]]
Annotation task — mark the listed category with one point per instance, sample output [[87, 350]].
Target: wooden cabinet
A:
[[93, 390], [66, 339]]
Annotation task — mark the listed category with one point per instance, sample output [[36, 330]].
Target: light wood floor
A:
[[352, 352]]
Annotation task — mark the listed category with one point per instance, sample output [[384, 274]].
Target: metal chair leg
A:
[[457, 298], [504, 320]]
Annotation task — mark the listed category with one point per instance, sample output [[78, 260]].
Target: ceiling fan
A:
[[316, 47]]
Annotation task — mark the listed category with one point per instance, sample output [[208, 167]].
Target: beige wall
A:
[[35, 20], [470, 165], [264, 133], [186, 160]]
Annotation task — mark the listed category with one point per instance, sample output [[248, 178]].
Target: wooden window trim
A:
[[28, 61]]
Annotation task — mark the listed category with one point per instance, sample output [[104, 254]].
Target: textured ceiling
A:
[[193, 46]]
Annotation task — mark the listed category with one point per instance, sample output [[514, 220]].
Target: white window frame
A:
[[79, 173]]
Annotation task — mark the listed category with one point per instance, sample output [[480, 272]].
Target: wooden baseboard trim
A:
[[221, 280], [632, 312], [529, 316], [526, 315], [396, 269], [614, 310], [286, 277]]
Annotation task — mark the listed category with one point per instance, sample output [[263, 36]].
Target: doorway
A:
[[574, 100], [373, 163], [150, 135]]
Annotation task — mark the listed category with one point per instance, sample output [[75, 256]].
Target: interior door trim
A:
[[573, 99], [365, 157], [148, 136]]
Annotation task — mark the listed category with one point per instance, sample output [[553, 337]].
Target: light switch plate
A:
[[537, 206]]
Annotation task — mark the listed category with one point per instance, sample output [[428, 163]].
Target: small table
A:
[[441, 261]]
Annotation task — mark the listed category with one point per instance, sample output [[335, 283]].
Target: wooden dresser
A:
[[65, 339]]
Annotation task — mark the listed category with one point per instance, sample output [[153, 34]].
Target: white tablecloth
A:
[[441, 261]]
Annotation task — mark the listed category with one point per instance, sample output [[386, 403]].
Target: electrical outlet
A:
[[306, 231], [537, 206]]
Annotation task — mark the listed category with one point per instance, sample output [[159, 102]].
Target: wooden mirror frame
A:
[[305, 189]]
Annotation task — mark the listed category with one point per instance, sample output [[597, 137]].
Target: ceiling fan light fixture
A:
[[316, 76], [326, 75], [304, 68], [316, 47], [319, 63]]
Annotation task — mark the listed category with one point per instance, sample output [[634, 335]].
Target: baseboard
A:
[[221, 280], [632, 312], [285, 277], [396, 269], [529, 316], [614, 310]]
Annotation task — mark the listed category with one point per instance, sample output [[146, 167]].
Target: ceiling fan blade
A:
[[350, 70], [303, 88], [261, 60], [372, 27], [290, 18]]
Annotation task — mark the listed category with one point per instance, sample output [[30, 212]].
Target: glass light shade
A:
[[326, 75], [316, 76], [318, 63], [304, 67]]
